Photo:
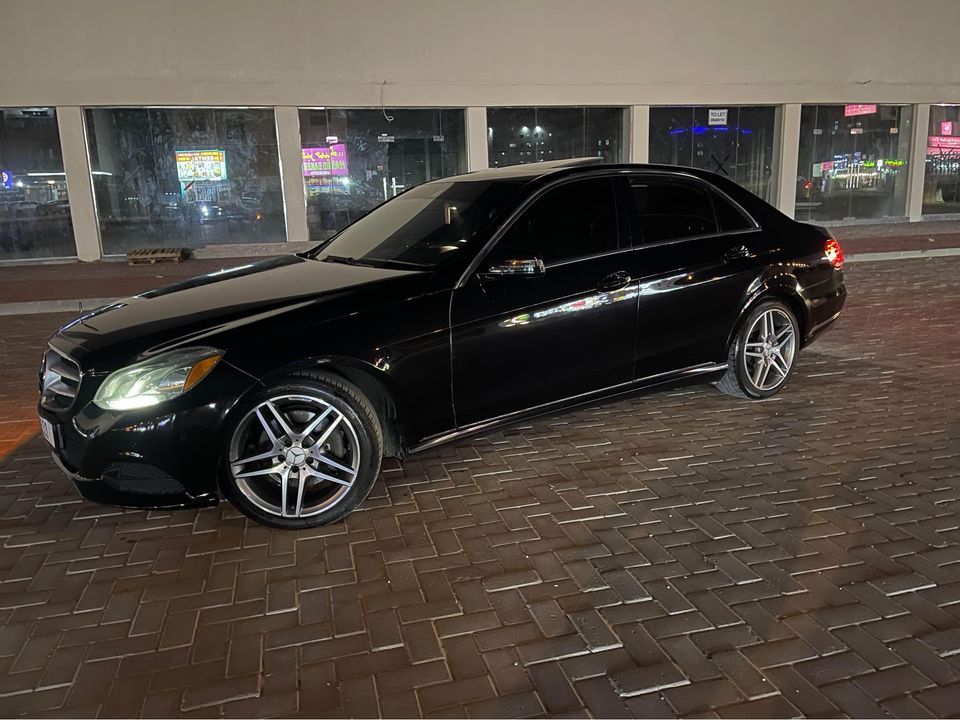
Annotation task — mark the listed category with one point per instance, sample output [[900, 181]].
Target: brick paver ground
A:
[[683, 553]]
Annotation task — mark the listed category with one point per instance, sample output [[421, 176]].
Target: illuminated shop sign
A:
[[6, 178], [946, 127], [944, 142], [850, 110], [844, 165], [325, 161], [201, 165]]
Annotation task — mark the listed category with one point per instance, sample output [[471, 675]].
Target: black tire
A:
[[366, 434], [737, 381]]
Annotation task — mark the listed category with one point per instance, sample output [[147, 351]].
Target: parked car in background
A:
[[458, 306]]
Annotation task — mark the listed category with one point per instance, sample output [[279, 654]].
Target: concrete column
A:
[[916, 166], [76, 167], [789, 145], [475, 119], [291, 173], [638, 121]]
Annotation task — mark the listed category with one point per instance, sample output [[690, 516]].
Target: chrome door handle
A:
[[741, 251], [614, 281]]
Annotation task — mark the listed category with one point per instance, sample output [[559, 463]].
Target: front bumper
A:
[[100, 490], [162, 457]]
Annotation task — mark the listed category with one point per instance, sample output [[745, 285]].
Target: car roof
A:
[[529, 171], [572, 166], [538, 173]]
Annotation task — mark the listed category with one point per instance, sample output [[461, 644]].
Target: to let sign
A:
[[717, 116]]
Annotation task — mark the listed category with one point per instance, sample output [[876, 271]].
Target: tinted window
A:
[[667, 210], [729, 217], [34, 206], [529, 134], [185, 177], [422, 227], [739, 144], [354, 160], [574, 220]]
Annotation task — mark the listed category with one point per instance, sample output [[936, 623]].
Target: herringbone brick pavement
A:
[[682, 553]]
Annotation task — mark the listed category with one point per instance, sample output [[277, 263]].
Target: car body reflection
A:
[[590, 302]]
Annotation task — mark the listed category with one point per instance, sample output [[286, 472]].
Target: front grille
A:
[[141, 479], [60, 381]]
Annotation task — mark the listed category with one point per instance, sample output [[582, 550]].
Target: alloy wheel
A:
[[770, 348], [294, 456]]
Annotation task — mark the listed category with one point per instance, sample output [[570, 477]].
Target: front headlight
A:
[[160, 378]]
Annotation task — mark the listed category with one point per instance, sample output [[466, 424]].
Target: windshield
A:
[[422, 227]]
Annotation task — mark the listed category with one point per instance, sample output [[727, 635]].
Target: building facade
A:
[[188, 124]]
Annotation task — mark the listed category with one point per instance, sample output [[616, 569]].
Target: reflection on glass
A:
[[853, 161], [34, 207], [737, 142], [941, 183], [422, 228], [518, 135], [184, 177], [353, 160]]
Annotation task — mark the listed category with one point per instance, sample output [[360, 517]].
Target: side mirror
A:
[[521, 267]]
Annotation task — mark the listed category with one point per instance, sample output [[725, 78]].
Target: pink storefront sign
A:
[[325, 161], [944, 142], [850, 110]]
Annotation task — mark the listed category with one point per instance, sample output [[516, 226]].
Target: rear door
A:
[[696, 259]]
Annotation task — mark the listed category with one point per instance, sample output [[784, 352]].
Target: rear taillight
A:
[[834, 253]]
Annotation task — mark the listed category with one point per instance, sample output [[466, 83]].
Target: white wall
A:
[[477, 52], [472, 54]]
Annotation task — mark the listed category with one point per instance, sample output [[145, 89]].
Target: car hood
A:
[[196, 310]]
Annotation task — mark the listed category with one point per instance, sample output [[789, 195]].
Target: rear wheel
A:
[[762, 355], [305, 453]]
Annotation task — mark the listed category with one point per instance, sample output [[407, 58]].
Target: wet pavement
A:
[[683, 553]]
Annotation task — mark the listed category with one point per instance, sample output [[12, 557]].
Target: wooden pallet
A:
[[149, 256]]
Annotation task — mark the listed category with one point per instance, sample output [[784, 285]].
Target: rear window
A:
[[670, 210], [729, 216]]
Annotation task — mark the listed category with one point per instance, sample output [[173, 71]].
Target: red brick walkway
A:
[[683, 554]]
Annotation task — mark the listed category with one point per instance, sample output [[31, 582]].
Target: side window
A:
[[669, 210], [573, 220], [729, 216]]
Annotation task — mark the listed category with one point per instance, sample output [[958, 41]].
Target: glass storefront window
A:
[[941, 177], [353, 160], [517, 135], [737, 142], [34, 206], [184, 177], [853, 161]]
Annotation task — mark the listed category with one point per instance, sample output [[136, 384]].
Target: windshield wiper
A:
[[344, 260], [373, 262]]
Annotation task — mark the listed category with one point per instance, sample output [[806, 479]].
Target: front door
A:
[[520, 342]]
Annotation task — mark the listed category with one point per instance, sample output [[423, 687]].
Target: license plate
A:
[[46, 429]]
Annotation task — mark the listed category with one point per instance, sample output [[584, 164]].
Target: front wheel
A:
[[305, 453], [762, 355]]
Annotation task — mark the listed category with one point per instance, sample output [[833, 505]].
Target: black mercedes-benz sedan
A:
[[459, 305]]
